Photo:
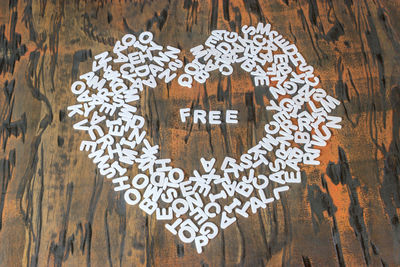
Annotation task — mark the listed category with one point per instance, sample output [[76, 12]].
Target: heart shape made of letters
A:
[[191, 204]]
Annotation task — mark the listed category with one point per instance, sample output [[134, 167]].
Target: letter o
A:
[[81, 89], [183, 237], [145, 37], [129, 193], [135, 181], [171, 175], [130, 37]]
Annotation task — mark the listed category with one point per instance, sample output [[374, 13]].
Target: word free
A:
[[212, 116]]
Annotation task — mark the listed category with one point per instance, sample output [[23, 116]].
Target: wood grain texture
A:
[[56, 210]]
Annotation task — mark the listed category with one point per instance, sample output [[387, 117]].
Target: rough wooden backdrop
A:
[[55, 209]]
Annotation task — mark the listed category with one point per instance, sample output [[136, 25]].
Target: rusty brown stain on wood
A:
[[55, 209]]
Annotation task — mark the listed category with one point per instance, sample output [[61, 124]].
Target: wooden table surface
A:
[[57, 210]]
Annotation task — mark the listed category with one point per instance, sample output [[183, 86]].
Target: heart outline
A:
[[139, 138]]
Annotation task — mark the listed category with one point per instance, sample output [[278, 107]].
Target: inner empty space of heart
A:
[[186, 142]]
